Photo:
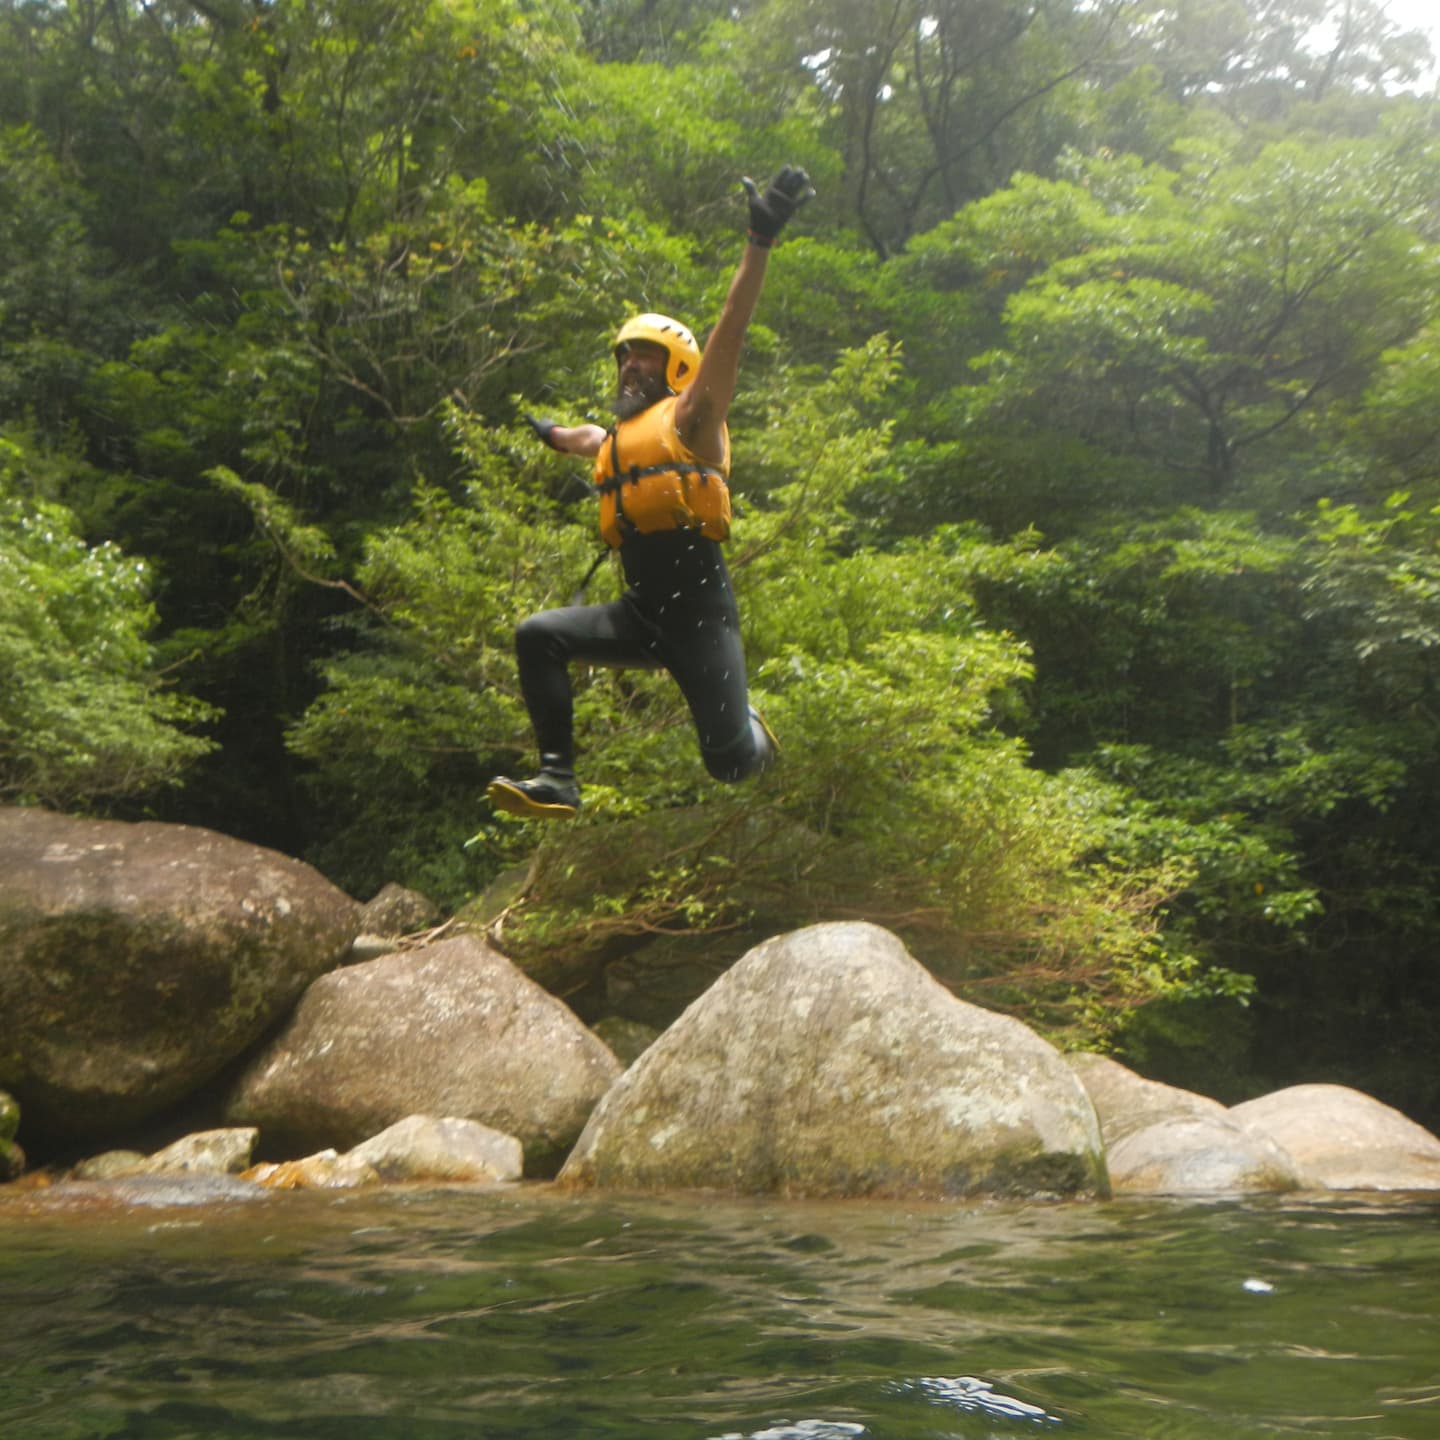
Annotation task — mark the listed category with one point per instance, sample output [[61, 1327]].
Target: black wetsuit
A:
[[678, 614]]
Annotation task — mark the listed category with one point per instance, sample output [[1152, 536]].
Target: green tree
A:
[[58, 298], [1262, 60], [934, 106], [1197, 322], [85, 719]]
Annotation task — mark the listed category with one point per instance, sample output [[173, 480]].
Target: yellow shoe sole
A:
[[765, 726], [506, 796]]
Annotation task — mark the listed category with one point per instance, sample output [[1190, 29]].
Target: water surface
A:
[[528, 1313]]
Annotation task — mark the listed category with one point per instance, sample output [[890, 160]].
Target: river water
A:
[[527, 1312]]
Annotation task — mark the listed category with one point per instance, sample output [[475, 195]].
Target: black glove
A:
[[787, 192], [543, 430]]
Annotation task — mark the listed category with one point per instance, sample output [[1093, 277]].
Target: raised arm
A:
[[703, 405]]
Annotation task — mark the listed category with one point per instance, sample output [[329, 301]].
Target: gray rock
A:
[[828, 1062], [1126, 1102], [450, 1028], [421, 1147], [1343, 1139], [207, 1152], [397, 911], [110, 1165], [628, 1039], [136, 961], [366, 946], [1199, 1154]]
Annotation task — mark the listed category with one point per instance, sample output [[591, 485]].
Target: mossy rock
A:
[[12, 1160], [627, 1040], [637, 917], [138, 960]]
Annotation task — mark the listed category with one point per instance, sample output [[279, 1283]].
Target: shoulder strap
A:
[[579, 597]]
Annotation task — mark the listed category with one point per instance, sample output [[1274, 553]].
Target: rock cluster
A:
[[417, 1148], [1162, 1140], [450, 1028], [138, 963]]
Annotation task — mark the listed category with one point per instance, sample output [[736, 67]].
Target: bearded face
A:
[[640, 378]]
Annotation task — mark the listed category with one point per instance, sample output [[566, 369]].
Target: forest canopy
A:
[[1086, 456]]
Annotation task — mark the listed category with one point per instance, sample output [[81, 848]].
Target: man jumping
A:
[[662, 472]]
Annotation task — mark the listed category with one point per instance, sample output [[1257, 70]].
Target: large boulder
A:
[[450, 1028], [1126, 1102], [1343, 1139], [829, 1062], [137, 961], [1199, 1154]]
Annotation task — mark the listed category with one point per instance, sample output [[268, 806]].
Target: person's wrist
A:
[[764, 241]]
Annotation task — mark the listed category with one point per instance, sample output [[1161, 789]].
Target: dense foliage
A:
[[1087, 454]]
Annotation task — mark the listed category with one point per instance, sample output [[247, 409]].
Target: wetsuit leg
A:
[[709, 667], [545, 645], [680, 586]]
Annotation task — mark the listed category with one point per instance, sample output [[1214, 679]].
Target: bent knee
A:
[[747, 755], [536, 635], [730, 771]]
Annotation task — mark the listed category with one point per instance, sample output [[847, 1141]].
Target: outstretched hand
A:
[[785, 194], [544, 430]]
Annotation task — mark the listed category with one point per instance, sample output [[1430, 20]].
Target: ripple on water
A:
[[537, 1314]]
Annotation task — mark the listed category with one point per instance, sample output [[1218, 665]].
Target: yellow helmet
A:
[[679, 345]]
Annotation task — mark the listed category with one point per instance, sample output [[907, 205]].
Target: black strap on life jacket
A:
[[612, 482], [579, 596], [618, 477], [636, 473]]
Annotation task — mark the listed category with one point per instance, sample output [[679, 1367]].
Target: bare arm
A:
[[577, 439], [703, 405], [701, 410]]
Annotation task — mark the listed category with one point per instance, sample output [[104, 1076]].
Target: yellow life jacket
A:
[[648, 480]]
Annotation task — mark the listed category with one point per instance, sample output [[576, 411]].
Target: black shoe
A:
[[549, 796]]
